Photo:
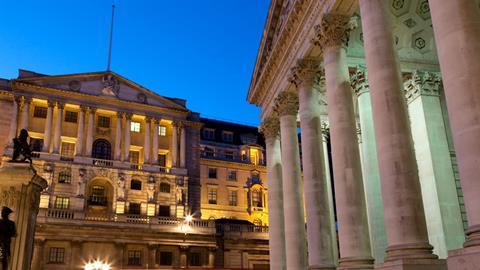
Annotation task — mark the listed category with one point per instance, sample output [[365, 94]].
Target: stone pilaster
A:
[[57, 140], [80, 131], [183, 144], [175, 144], [127, 137], [14, 123], [155, 142], [48, 127], [146, 142], [295, 236], [118, 136], [90, 127], [25, 108], [270, 128]]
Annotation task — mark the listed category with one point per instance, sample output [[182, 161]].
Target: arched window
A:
[[257, 198], [136, 185], [102, 149], [165, 187]]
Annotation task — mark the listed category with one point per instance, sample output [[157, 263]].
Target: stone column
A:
[[276, 231], [126, 140], [211, 257], [319, 224], [21, 187], [175, 145], [295, 238], [183, 145], [48, 127], [355, 251], [146, 143], [152, 252], [118, 136], [25, 112], [183, 256], [80, 131], [57, 140], [90, 127], [404, 215], [456, 25], [14, 123], [155, 142], [371, 175], [437, 180]]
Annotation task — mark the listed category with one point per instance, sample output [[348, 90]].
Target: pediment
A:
[[105, 84]]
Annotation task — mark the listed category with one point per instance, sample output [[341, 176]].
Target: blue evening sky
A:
[[201, 51]]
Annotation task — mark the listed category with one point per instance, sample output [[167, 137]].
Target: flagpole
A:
[[111, 37]]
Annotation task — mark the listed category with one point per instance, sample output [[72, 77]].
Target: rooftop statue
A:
[[21, 148]]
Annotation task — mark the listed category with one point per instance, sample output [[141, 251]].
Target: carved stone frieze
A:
[[359, 81], [270, 127], [305, 71], [287, 103], [333, 32], [422, 84]]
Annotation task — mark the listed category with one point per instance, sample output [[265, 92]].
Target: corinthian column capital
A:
[[333, 31], [422, 84], [270, 127], [305, 72], [286, 103], [359, 81]]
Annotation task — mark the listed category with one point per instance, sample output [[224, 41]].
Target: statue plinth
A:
[[20, 189]]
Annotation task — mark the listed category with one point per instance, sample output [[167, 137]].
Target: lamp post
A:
[[97, 265]]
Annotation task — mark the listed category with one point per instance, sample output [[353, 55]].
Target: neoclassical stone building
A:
[[393, 84]]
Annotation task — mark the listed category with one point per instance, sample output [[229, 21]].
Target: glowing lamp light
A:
[[96, 265], [188, 218]]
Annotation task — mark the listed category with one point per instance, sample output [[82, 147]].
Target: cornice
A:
[[36, 91]]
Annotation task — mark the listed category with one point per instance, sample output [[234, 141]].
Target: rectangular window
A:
[[212, 196], [229, 155], [56, 255], [232, 197], [98, 196], [195, 259], [67, 151], [227, 136], [40, 112], [103, 121], [164, 211], [135, 257], [208, 134], [62, 202], [257, 198], [71, 117], [162, 160], [36, 144], [65, 177], [165, 187], [135, 127], [134, 157], [166, 258], [134, 208], [232, 175], [212, 173], [162, 131]]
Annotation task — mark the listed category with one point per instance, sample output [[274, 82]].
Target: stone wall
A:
[[6, 107]]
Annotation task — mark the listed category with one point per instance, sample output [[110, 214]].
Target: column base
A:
[[357, 263], [467, 258], [414, 264], [322, 267]]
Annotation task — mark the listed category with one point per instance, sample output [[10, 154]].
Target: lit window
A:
[[232, 175], [162, 130], [67, 151], [227, 136], [64, 177], [164, 187], [40, 112], [71, 117], [103, 121], [166, 258], [212, 196], [208, 134], [56, 255], [212, 173], [257, 198], [135, 257], [162, 160], [136, 185], [135, 127], [62, 202], [232, 197], [134, 157]]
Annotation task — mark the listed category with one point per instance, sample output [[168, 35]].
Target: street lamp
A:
[[97, 265]]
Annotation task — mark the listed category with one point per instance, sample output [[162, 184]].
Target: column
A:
[[456, 25], [57, 140], [155, 142], [48, 127], [146, 143], [211, 257], [25, 112], [152, 252], [295, 238], [183, 256], [90, 127], [80, 130], [371, 175], [183, 144], [175, 145], [118, 136], [14, 123], [355, 250], [321, 246], [276, 232], [404, 214], [126, 140], [437, 180]]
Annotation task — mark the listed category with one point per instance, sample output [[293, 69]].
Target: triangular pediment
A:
[[105, 84]]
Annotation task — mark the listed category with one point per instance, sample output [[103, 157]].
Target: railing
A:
[[164, 169], [60, 213], [242, 229], [35, 154], [230, 157], [136, 166], [102, 162], [66, 158]]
